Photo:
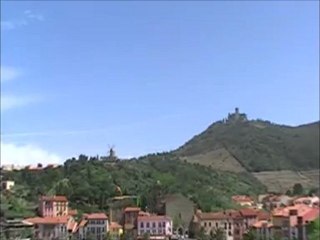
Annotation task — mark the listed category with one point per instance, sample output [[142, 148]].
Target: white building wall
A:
[[97, 227], [155, 227]]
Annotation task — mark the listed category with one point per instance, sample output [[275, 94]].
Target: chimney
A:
[[293, 212]]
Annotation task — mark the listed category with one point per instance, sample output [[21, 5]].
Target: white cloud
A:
[[26, 154], [28, 17], [12, 101], [29, 14], [8, 73]]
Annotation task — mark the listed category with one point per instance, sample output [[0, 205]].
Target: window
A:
[[159, 224], [98, 230], [209, 224], [225, 225], [217, 224], [148, 224], [163, 224], [141, 225], [229, 233], [103, 229], [229, 225], [154, 231], [153, 224]]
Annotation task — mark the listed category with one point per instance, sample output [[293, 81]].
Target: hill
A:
[[281, 181], [256, 145], [89, 183]]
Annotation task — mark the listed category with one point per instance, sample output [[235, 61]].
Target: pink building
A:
[[55, 221], [53, 206], [158, 227], [287, 223]]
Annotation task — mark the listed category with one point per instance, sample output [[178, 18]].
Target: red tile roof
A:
[[72, 212], [54, 198], [263, 215], [48, 220], [101, 216], [154, 218], [311, 215], [242, 198], [262, 223], [132, 209], [83, 223], [219, 215], [248, 212], [115, 225], [284, 212]]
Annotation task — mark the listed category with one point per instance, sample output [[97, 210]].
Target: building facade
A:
[[51, 228], [95, 225], [7, 185], [53, 206], [157, 227], [287, 223]]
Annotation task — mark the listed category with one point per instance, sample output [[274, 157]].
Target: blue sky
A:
[[147, 76]]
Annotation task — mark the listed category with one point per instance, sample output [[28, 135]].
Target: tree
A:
[[218, 234], [298, 189], [107, 236], [250, 235], [288, 192], [313, 230], [201, 234], [146, 236]]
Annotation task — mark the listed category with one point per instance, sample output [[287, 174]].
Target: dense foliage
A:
[[260, 145], [89, 183], [313, 230]]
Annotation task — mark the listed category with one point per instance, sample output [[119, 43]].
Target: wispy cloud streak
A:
[[56, 133], [12, 101], [8, 73], [28, 17]]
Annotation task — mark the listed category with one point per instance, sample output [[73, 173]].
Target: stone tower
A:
[[236, 114]]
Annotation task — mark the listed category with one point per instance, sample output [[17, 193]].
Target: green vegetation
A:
[[218, 234], [259, 145], [313, 230], [15, 204], [298, 189], [89, 183], [250, 235]]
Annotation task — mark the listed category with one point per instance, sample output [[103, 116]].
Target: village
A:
[[269, 216]]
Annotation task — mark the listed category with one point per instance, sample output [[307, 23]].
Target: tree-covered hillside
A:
[[258, 145], [89, 183]]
